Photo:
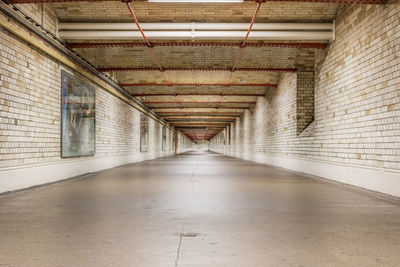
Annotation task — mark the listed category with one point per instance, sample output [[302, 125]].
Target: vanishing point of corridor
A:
[[198, 209]]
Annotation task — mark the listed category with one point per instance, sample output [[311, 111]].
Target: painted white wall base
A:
[[386, 181], [17, 178]]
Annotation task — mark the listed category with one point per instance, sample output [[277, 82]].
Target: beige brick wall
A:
[[30, 109], [357, 99], [43, 14]]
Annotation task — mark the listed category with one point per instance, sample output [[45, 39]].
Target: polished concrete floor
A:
[[198, 209]]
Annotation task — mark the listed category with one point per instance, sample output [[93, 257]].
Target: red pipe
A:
[[242, 46], [149, 45], [257, 45], [137, 23], [201, 69], [199, 84], [252, 22]]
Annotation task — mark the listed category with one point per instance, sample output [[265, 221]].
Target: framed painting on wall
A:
[[144, 133], [78, 117]]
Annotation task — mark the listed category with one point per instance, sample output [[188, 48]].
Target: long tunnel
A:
[[199, 133]]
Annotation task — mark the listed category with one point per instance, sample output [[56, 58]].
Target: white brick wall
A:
[[357, 102], [30, 99]]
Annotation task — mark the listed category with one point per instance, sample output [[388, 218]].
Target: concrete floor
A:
[[198, 209]]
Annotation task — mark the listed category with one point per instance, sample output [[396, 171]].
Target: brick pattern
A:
[[184, 12], [197, 77], [30, 109], [30, 120], [198, 90], [304, 99], [43, 14], [357, 99], [197, 57]]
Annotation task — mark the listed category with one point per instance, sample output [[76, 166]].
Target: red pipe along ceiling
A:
[[150, 46], [259, 2]]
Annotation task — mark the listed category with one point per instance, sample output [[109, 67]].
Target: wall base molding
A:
[[381, 180]]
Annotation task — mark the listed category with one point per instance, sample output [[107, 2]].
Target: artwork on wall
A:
[[144, 133], [78, 115], [164, 138]]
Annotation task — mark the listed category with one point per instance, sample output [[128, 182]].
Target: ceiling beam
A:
[[211, 44], [199, 116], [207, 126], [214, 123], [183, 128], [121, 69], [199, 112], [313, 1], [168, 94], [194, 120], [183, 108], [197, 102], [200, 84]]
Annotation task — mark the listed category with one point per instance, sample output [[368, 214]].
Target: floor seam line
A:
[[178, 250]]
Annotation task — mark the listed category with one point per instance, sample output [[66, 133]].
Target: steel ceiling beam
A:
[[182, 108], [377, 2], [198, 102], [213, 123], [194, 115], [200, 120], [121, 69], [211, 44], [199, 112], [199, 127], [200, 84], [162, 94]]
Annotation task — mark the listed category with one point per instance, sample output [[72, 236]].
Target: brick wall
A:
[[30, 109], [43, 14], [357, 101]]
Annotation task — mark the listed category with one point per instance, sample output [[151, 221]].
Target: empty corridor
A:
[[198, 209]]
